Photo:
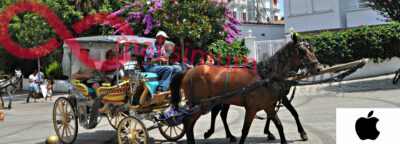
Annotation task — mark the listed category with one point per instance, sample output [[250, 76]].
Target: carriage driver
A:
[[155, 58]]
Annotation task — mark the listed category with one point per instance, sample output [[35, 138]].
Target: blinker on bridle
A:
[[303, 52]]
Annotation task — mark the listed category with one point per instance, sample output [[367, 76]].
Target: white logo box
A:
[[388, 125]]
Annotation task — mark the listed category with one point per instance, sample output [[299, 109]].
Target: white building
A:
[[251, 10], [315, 15]]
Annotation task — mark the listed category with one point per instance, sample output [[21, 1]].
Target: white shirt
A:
[[79, 68], [39, 76], [33, 79]]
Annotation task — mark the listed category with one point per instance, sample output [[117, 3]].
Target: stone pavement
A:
[[316, 105]]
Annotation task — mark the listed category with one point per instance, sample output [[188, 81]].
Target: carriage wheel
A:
[[64, 120], [115, 118], [132, 130], [171, 133], [396, 77]]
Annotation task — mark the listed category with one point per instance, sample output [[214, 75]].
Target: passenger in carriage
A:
[[82, 72], [111, 75], [209, 59], [154, 60], [187, 64]]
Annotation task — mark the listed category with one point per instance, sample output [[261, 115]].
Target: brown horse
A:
[[224, 108], [203, 82]]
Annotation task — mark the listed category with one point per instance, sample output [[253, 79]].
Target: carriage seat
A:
[[151, 81], [83, 88], [117, 94]]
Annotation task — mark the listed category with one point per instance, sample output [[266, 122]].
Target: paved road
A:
[[316, 105]]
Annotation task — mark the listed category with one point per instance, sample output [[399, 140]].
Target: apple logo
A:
[[366, 127]]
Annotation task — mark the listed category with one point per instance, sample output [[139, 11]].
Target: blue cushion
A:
[[91, 90], [151, 85], [148, 75]]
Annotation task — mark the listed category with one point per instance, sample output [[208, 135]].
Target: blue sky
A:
[[281, 7]]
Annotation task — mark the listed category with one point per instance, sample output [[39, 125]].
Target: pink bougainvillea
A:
[[145, 12]]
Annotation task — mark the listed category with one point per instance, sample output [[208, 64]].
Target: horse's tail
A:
[[175, 85]]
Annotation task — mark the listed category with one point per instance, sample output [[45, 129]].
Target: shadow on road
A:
[[110, 137]]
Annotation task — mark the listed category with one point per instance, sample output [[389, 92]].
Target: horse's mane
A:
[[269, 67]]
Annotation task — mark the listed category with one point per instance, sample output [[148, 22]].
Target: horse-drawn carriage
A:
[[9, 84], [132, 98], [125, 103]]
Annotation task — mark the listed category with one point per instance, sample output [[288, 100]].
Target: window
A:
[[244, 17], [234, 14], [322, 5], [298, 6]]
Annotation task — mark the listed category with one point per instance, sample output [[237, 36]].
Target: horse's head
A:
[[303, 56], [18, 72]]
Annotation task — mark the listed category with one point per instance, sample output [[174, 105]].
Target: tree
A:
[[85, 6], [387, 8], [200, 22], [31, 30]]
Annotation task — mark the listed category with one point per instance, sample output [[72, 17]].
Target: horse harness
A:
[[10, 81]]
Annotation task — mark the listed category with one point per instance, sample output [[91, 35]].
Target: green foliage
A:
[[31, 30], [198, 22], [387, 8], [377, 43], [237, 49], [55, 70]]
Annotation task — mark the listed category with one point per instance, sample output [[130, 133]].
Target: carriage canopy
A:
[[99, 45]]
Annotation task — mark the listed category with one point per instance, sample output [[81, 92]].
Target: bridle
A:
[[308, 59]]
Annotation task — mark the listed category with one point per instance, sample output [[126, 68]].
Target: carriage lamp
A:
[[52, 140]]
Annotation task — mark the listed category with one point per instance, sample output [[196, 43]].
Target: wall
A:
[[312, 20], [364, 16], [57, 87], [344, 14], [271, 31]]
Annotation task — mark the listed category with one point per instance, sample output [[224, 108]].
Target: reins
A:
[[297, 83], [233, 93]]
